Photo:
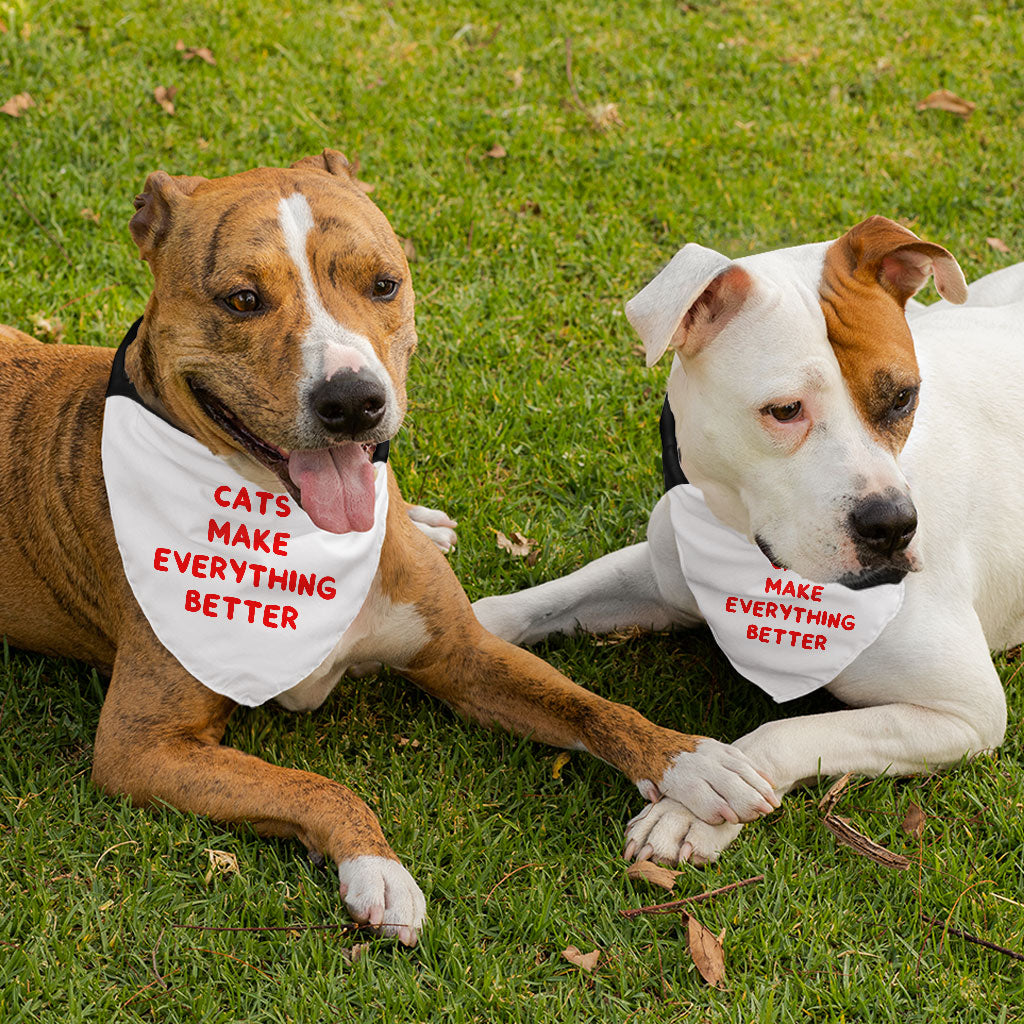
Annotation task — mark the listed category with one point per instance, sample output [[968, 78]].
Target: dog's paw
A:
[[436, 525], [717, 782], [379, 892], [669, 833]]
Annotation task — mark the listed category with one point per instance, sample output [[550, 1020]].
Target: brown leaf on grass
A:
[[515, 77], [998, 244], [90, 214], [49, 328], [531, 207], [648, 871], [164, 95], [409, 249], [497, 152], [861, 844], [221, 863], [706, 951], [188, 52], [559, 763], [831, 798], [587, 961], [943, 99], [913, 822], [518, 544], [17, 105], [352, 954]]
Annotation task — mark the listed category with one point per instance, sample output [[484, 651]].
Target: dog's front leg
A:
[[158, 741], [926, 699]]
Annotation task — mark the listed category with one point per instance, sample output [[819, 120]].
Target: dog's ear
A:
[[330, 160], [689, 302], [880, 249], [154, 207]]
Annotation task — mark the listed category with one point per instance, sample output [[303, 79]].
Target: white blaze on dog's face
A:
[[794, 388], [280, 326]]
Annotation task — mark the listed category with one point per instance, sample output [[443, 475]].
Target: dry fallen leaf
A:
[[588, 961], [17, 105], [604, 116], [90, 214], [831, 798], [164, 95], [221, 863], [844, 831], [913, 823], [943, 99], [515, 77], [531, 207], [648, 871], [409, 249], [497, 152], [706, 951], [49, 328], [351, 954], [518, 545], [188, 52], [998, 244], [560, 762]]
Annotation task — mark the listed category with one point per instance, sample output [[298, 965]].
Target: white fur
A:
[[378, 891], [926, 693], [436, 525], [328, 344]]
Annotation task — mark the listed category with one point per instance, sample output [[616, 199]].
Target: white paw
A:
[[435, 524], [378, 891], [717, 782], [670, 833]]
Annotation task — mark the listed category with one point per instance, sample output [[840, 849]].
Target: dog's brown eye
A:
[[785, 413], [904, 400], [385, 288], [244, 301]]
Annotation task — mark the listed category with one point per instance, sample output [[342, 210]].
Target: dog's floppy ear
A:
[[154, 207], [330, 160], [882, 250], [689, 302]]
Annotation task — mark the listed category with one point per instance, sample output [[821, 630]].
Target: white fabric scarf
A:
[[249, 608], [783, 632]]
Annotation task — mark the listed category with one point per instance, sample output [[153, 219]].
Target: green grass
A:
[[746, 125]]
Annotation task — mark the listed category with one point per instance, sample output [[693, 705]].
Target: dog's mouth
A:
[[877, 577], [335, 486]]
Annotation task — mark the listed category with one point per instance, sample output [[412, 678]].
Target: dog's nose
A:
[[885, 524], [349, 403]]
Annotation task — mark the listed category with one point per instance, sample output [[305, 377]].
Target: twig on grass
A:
[[522, 867], [860, 843], [674, 905], [568, 74], [239, 960], [968, 937], [156, 970]]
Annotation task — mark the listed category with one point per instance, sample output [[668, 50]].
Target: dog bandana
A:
[[784, 633], [238, 583]]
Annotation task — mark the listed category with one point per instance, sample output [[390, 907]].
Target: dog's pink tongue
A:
[[337, 486]]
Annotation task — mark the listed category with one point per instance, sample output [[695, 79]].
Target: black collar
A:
[[670, 467], [119, 384]]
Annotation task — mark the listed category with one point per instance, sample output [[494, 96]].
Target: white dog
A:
[[825, 542]]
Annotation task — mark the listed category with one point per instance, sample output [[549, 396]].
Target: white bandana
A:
[[783, 632], [238, 583]]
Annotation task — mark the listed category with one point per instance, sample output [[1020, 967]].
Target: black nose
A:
[[884, 523], [349, 403]]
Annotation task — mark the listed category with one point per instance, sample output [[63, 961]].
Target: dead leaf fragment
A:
[[352, 954], [49, 328], [706, 951], [221, 863], [188, 52], [515, 77], [90, 214], [409, 249], [559, 763], [604, 116], [518, 545], [835, 791], [943, 99], [164, 95], [913, 822], [998, 244], [17, 105], [844, 831], [648, 871], [587, 961], [497, 152]]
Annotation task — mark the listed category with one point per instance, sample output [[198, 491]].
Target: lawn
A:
[[543, 160]]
